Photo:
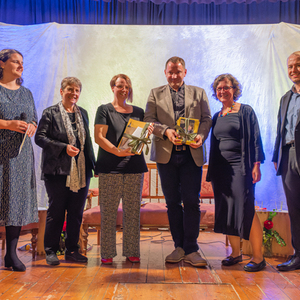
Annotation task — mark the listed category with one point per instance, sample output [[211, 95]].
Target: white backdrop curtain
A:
[[255, 54]]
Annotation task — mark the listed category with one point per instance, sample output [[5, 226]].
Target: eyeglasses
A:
[[121, 87], [225, 88]]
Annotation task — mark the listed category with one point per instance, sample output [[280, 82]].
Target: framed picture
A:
[[187, 128]]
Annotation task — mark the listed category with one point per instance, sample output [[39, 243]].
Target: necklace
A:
[[230, 110]]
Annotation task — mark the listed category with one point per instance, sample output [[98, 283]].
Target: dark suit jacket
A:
[[277, 154], [160, 110], [51, 135]]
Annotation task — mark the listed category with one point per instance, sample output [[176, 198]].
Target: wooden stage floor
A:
[[151, 279]]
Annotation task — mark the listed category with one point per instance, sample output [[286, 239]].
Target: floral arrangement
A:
[[62, 245], [269, 234]]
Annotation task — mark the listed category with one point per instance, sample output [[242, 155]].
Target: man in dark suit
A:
[[286, 156], [179, 166]]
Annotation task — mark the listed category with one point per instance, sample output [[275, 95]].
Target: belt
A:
[[180, 147], [290, 145]]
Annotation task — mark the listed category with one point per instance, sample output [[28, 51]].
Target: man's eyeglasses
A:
[[225, 88]]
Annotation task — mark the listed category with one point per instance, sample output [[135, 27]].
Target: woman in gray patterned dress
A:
[[18, 118]]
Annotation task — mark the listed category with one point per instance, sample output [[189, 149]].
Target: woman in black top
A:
[[67, 164], [120, 172], [234, 167]]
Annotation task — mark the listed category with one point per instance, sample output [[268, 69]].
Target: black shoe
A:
[[52, 259], [293, 263], [230, 261], [15, 265], [75, 256], [254, 267]]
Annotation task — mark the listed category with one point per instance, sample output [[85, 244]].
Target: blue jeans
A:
[[181, 184]]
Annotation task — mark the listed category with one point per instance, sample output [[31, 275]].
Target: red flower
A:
[[268, 224], [65, 226]]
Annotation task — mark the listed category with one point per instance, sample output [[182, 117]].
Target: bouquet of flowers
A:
[[269, 234], [62, 245]]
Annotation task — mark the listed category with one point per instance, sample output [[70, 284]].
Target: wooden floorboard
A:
[[151, 279]]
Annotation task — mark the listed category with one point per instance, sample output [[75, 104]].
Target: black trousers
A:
[[62, 199], [291, 185], [181, 183]]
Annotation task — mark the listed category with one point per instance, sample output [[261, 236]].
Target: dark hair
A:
[[70, 81], [235, 84], [128, 81], [5, 54], [175, 60]]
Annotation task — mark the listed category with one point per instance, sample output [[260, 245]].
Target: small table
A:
[[282, 225]]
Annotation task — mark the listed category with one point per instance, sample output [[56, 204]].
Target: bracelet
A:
[[33, 123], [257, 163]]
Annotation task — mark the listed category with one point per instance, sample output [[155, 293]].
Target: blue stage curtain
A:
[[26, 12]]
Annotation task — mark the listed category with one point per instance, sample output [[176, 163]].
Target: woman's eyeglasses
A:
[[225, 88], [121, 87]]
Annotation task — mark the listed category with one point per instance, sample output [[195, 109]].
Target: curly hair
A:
[[235, 84], [128, 81], [5, 54]]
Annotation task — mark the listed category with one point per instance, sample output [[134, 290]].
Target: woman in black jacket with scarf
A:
[[67, 164]]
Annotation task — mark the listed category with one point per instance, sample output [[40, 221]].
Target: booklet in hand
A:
[[187, 128], [135, 136]]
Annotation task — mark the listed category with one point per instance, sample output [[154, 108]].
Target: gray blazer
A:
[[160, 110], [277, 154]]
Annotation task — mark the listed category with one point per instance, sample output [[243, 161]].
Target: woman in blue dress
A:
[[18, 120]]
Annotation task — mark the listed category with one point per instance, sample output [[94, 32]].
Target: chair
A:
[[29, 228], [206, 191]]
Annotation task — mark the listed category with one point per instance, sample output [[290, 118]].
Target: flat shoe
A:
[[195, 259], [230, 261], [293, 263], [106, 261], [254, 267], [134, 259], [75, 256], [176, 256]]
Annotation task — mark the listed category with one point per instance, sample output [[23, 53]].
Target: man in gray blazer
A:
[[179, 166], [286, 156]]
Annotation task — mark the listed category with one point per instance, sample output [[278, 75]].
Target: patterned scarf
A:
[[76, 179]]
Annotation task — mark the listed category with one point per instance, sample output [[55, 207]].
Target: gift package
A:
[[135, 137], [187, 128]]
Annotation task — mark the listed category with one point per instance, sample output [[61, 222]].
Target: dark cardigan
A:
[[51, 135], [251, 144]]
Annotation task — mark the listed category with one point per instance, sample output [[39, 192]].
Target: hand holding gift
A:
[[135, 136], [187, 128]]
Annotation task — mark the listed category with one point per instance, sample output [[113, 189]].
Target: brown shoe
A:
[[195, 259], [176, 256]]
